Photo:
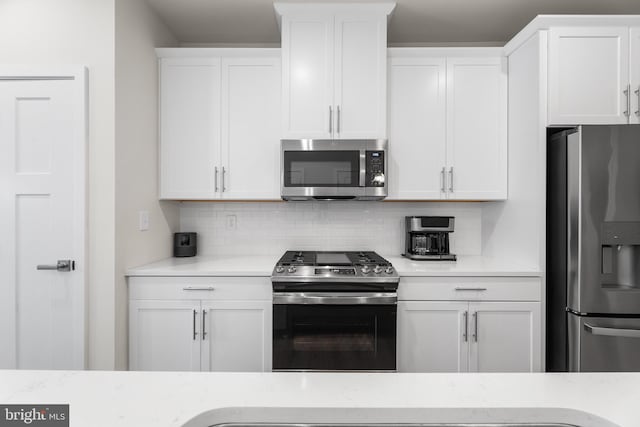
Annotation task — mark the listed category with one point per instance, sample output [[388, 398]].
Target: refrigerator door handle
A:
[[612, 332]]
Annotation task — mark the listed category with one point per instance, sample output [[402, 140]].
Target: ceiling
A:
[[421, 22]]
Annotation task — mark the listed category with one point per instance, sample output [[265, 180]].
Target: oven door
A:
[[334, 332]]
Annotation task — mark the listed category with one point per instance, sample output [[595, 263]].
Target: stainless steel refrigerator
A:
[[593, 249]]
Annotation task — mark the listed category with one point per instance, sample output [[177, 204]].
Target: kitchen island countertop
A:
[[118, 399]]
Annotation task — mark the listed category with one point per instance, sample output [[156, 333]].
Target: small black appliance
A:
[[185, 244], [427, 238]]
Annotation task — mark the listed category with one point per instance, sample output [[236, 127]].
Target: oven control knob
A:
[[292, 269], [279, 269], [389, 270], [377, 270], [366, 269]]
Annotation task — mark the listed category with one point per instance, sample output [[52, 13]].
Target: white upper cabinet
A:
[[219, 124], [417, 125], [589, 75], [477, 128], [189, 127], [334, 70], [634, 77], [250, 158], [447, 126]]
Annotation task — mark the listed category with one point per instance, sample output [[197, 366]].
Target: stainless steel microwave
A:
[[330, 169]]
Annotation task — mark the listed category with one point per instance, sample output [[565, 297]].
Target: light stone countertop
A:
[[140, 399], [262, 265]]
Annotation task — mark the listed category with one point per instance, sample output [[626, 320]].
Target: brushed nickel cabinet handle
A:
[[627, 93], [470, 289], [465, 334], [330, 120], [338, 125], [451, 179], [224, 171], [442, 180], [195, 334], [215, 179], [198, 288], [204, 327], [637, 92], [475, 328]]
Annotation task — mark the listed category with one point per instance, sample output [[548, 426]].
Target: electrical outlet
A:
[[231, 222], [143, 220]]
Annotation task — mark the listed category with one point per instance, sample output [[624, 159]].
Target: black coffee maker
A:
[[427, 238]]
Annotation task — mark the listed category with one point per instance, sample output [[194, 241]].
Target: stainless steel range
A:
[[334, 311]]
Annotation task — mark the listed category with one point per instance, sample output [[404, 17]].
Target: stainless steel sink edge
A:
[[397, 417]]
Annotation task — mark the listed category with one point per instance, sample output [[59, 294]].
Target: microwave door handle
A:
[[363, 168]]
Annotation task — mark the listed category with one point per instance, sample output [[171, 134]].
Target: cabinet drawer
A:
[[200, 288], [470, 289]]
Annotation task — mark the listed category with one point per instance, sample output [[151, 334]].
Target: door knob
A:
[[62, 265]]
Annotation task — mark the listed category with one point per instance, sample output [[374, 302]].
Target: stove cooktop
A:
[[346, 267]]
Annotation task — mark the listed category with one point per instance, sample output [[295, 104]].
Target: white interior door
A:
[[251, 128], [417, 107], [42, 219]]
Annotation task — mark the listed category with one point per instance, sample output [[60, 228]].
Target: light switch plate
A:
[[143, 220]]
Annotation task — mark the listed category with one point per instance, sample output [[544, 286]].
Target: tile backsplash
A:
[[272, 228]]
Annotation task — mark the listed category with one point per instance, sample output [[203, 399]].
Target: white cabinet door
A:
[[417, 106], [250, 128], [237, 336], [360, 75], [504, 337], [432, 336], [588, 74], [634, 77], [189, 127], [307, 75], [477, 128], [164, 335]]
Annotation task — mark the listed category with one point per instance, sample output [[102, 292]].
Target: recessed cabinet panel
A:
[[417, 106], [360, 77], [505, 337], [237, 336], [476, 128], [634, 78], [164, 336], [588, 75], [307, 47], [250, 128], [189, 127], [432, 336]]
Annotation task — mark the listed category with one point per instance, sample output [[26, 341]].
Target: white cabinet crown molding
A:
[[385, 8], [437, 52], [208, 52], [544, 22]]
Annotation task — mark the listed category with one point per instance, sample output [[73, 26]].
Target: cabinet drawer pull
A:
[[198, 288], [338, 126], [471, 289], [637, 92], [215, 175], [330, 120], [224, 171], [442, 180], [451, 179]]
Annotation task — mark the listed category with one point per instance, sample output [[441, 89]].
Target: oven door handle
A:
[[337, 298]]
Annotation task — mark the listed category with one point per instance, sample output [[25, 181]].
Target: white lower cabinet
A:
[[470, 334], [200, 324]]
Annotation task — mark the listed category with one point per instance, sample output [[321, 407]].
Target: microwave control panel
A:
[[375, 169]]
